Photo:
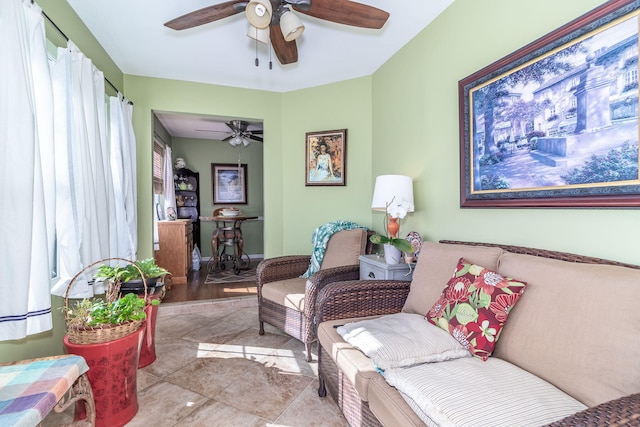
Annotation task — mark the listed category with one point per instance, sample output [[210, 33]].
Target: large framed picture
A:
[[326, 158], [229, 183], [555, 124]]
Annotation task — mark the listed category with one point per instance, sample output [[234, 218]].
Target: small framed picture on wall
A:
[[229, 183], [326, 158]]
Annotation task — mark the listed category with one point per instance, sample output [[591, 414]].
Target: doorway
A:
[[202, 141]]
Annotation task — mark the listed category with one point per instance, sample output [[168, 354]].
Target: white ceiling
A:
[[133, 34], [198, 126]]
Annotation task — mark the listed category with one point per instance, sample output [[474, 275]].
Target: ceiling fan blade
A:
[[206, 15], [286, 52], [347, 12], [255, 137]]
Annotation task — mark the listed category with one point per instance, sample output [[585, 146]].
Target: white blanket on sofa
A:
[[470, 392], [401, 339]]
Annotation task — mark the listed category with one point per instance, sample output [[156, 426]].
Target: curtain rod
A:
[[67, 39]]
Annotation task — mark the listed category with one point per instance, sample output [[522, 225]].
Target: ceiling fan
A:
[[274, 20], [240, 134]]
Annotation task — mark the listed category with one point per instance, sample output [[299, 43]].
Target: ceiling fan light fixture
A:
[[259, 34], [259, 13], [290, 25], [236, 140]]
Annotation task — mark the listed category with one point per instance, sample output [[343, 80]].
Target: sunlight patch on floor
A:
[[265, 355], [250, 290]]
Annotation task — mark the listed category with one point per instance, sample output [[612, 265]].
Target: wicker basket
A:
[[101, 333]]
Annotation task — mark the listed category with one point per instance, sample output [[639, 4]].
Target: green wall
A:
[[415, 115], [344, 105], [290, 209]]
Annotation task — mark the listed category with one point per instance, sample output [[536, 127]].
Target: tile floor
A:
[[214, 369]]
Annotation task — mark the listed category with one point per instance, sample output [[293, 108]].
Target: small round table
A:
[[228, 233]]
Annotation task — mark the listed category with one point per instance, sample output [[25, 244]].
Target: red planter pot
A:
[[112, 374]]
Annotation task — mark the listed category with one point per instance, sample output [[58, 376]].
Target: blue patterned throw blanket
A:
[[320, 238]]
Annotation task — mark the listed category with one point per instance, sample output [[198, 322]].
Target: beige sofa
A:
[[575, 332]]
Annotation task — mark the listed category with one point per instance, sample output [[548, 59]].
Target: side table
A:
[[373, 267]]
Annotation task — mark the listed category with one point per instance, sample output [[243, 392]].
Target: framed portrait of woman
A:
[[326, 158]]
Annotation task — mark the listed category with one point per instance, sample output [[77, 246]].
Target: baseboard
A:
[[251, 256]]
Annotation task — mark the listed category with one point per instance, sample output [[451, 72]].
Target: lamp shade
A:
[[259, 13], [290, 25], [390, 188], [259, 34]]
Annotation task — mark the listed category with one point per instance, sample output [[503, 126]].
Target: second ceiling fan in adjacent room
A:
[[274, 21], [240, 133]]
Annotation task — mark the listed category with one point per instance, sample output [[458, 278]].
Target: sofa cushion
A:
[[389, 406], [401, 339], [577, 326], [344, 248], [475, 305], [288, 292], [435, 265], [469, 391], [356, 367]]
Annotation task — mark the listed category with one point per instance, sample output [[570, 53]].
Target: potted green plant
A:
[[94, 313], [128, 279], [109, 334], [393, 245]]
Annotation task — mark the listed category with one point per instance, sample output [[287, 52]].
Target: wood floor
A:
[[195, 289]]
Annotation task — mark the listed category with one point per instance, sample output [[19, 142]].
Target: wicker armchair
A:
[[287, 301]]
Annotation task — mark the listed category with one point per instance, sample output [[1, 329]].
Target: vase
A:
[[393, 227], [392, 254]]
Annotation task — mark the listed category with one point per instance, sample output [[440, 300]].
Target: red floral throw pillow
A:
[[474, 307]]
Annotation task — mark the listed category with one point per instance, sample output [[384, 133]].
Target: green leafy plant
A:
[[403, 244], [92, 313], [130, 272]]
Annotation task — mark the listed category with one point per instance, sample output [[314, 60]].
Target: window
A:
[[158, 166], [631, 77]]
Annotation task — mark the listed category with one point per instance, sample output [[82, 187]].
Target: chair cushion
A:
[[355, 366], [344, 248], [436, 263], [475, 305], [289, 292]]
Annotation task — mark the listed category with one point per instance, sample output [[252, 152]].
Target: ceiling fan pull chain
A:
[[256, 39]]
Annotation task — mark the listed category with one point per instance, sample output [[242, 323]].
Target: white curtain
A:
[[168, 196], [82, 189], [95, 175], [167, 180], [123, 165], [26, 204]]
